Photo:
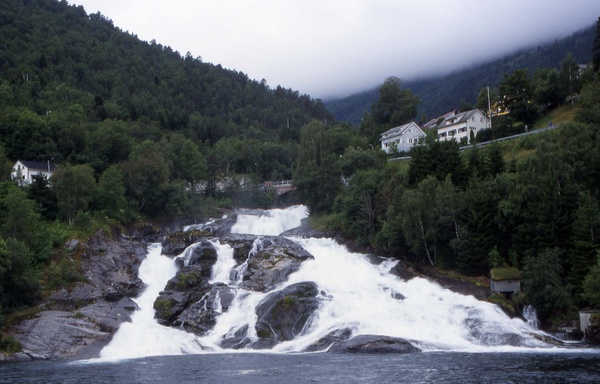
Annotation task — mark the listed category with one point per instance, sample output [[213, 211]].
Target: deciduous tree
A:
[[74, 186]]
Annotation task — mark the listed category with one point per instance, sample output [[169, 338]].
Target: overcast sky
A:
[[334, 48]]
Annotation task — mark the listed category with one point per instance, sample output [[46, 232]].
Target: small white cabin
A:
[[23, 171], [505, 280]]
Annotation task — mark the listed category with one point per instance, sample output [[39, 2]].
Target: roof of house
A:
[[399, 129], [42, 166], [458, 118], [507, 273], [451, 118], [433, 123]]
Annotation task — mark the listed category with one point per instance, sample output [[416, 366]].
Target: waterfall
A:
[[356, 296], [530, 315], [144, 336], [366, 299], [223, 268], [273, 223]]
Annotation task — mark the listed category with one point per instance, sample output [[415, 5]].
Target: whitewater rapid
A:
[[355, 294]]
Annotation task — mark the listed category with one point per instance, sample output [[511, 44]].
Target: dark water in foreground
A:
[[446, 367]]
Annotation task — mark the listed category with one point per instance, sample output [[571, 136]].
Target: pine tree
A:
[[596, 49], [586, 241]]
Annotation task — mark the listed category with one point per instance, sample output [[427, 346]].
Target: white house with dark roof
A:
[[23, 171], [460, 125], [403, 137]]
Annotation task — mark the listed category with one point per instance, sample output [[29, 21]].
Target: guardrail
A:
[[490, 141]]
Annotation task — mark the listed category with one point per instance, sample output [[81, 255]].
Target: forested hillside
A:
[[442, 94], [80, 78]]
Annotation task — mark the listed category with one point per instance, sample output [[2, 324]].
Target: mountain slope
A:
[[439, 95], [53, 55]]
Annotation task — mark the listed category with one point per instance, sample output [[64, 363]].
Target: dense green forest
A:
[[442, 94], [140, 132], [94, 92]]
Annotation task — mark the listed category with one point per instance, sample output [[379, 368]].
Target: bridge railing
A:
[[279, 183]]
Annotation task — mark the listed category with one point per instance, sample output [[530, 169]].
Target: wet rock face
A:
[[273, 263], [203, 255], [480, 333], [77, 322], [373, 344], [283, 314], [176, 243], [189, 300], [200, 317], [187, 287]]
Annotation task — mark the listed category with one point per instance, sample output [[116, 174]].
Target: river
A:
[[256, 368]]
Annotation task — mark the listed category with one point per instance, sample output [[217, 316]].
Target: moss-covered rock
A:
[[273, 263], [283, 314]]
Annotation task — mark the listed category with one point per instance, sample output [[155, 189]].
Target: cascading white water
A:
[[530, 314], [221, 271], [276, 222], [144, 336], [368, 300], [356, 295]]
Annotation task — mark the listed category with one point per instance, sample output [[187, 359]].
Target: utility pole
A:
[[489, 107]]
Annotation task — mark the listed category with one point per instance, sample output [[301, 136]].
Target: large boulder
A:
[[283, 314], [187, 287], [175, 243], [242, 245], [272, 263], [373, 344], [189, 300], [328, 340], [203, 255], [480, 332], [200, 317]]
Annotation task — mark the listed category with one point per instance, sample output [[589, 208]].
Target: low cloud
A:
[[338, 47]]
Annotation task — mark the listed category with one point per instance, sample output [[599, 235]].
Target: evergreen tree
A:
[[596, 48], [481, 225], [19, 284], [591, 285], [586, 229], [543, 284]]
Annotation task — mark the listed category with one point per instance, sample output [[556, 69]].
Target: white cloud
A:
[[336, 47]]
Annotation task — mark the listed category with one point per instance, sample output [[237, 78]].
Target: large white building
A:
[[459, 125], [403, 138]]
